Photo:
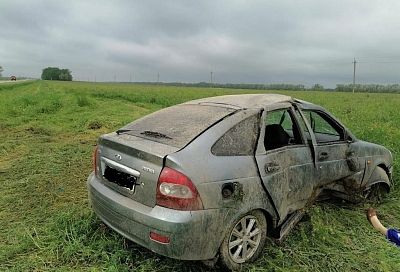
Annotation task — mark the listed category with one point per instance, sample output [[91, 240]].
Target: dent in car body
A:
[[278, 182]]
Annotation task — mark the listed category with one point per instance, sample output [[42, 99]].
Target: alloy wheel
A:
[[244, 239]]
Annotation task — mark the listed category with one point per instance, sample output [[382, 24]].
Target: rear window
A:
[[177, 125]]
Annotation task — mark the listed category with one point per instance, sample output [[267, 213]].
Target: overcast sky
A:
[[302, 42]]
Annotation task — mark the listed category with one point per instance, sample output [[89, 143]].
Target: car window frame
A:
[[262, 131], [332, 119]]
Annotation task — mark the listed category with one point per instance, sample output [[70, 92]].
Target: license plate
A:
[[120, 178]]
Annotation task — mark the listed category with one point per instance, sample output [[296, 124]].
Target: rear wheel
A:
[[244, 241]]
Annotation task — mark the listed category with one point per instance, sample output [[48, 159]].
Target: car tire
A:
[[378, 190], [250, 232]]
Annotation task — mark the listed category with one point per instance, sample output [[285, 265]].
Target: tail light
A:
[[177, 191], [94, 159]]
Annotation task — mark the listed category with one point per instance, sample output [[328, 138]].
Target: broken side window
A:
[[303, 126], [240, 140], [325, 129], [281, 129]]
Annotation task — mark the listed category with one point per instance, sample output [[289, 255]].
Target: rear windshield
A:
[[177, 125]]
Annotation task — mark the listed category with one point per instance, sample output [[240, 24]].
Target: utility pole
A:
[[354, 73], [115, 78], [158, 77], [211, 77], [95, 87]]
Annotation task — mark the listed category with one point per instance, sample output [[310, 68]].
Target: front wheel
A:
[[376, 193], [378, 190], [244, 241]]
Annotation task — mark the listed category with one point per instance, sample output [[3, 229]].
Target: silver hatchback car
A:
[[213, 178]]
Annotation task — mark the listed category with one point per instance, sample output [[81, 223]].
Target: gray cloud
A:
[[241, 41]]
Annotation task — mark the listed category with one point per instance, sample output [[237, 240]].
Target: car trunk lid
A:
[[131, 165], [130, 161]]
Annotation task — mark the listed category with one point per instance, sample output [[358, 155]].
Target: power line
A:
[[379, 62]]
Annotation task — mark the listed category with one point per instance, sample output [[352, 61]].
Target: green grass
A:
[[47, 134]]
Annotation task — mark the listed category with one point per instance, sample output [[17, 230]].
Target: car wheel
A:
[[244, 241], [376, 193], [378, 190]]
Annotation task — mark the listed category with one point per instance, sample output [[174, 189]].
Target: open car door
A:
[[285, 161]]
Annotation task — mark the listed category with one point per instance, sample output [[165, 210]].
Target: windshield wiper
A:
[[119, 131], [155, 134], [146, 132]]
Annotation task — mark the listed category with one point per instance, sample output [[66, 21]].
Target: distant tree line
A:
[[368, 88], [276, 86], [54, 73]]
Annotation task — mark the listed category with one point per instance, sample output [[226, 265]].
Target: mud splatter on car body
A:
[[191, 172]]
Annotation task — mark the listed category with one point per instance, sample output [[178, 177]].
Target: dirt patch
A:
[[38, 131], [95, 125]]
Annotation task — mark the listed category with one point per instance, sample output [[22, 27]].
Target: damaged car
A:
[[212, 179]]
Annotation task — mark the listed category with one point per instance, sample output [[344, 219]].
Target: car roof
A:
[[243, 101]]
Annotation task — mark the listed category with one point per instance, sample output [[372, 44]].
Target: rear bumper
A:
[[194, 235]]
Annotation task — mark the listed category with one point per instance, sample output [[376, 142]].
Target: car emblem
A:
[[118, 157]]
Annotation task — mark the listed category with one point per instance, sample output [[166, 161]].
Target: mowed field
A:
[[49, 129]]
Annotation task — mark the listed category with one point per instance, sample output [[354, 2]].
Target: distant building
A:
[[13, 78]]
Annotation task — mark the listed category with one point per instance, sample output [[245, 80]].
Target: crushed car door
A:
[[284, 160], [332, 152]]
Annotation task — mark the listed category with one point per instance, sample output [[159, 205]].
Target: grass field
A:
[[47, 134]]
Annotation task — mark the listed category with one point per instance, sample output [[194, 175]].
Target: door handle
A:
[[272, 167], [323, 156]]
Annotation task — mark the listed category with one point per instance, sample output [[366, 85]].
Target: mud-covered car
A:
[[213, 178]]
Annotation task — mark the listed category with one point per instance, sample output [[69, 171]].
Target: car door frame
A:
[[262, 156], [336, 167]]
